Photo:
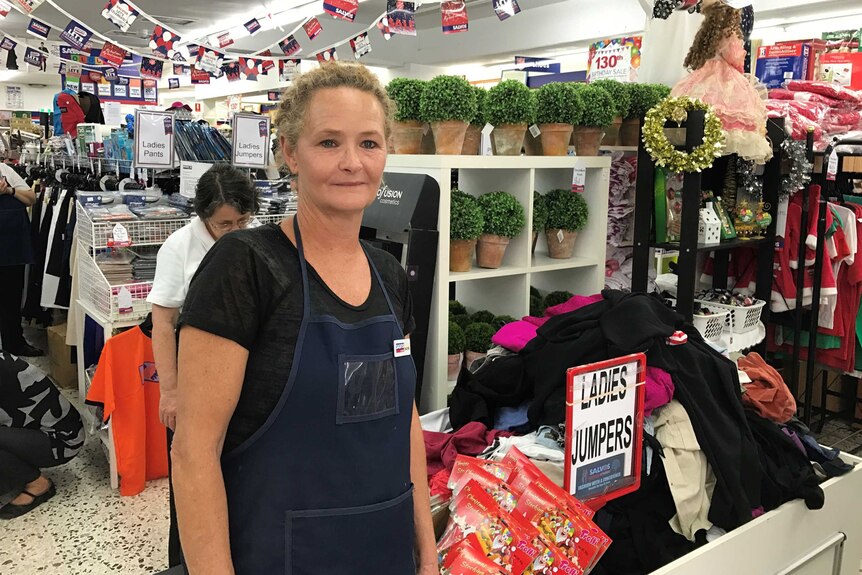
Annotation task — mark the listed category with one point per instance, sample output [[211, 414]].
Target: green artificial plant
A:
[[540, 217], [556, 298], [559, 103], [503, 214], [457, 342], [482, 316], [466, 217], [567, 210], [406, 93], [510, 102], [456, 307], [599, 108], [619, 94], [448, 98], [478, 336]]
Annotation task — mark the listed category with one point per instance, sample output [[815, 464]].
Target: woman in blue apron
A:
[[298, 449], [16, 251]]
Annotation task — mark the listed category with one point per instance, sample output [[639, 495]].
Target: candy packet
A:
[[499, 469], [467, 558], [496, 487]]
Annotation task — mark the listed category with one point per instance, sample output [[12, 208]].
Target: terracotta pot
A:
[[532, 146], [508, 139], [535, 241], [630, 132], [407, 137], [588, 140], [449, 137], [428, 141], [472, 356], [461, 255], [454, 366], [490, 250], [555, 139], [557, 249], [472, 141], [612, 133]]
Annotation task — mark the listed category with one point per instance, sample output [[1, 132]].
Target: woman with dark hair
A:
[[225, 200]]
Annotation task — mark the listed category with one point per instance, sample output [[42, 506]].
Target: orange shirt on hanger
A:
[[127, 385]]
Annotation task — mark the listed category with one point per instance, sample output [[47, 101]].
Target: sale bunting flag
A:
[[402, 17], [162, 41], [506, 8], [120, 13], [288, 70], [313, 28], [151, 68], [361, 45], [343, 9], [290, 46], [454, 16]]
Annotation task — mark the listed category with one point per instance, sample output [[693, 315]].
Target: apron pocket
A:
[[367, 388], [372, 539]]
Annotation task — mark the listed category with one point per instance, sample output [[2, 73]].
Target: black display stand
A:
[[403, 221], [688, 247]]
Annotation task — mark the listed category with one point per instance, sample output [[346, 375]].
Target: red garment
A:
[[441, 449], [127, 384], [71, 113], [438, 484], [766, 393]]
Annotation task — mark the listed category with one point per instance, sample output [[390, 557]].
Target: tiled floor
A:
[[89, 529]]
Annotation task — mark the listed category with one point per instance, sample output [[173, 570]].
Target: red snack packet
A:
[[466, 559], [500, 469], [501, 537], [495, 487]]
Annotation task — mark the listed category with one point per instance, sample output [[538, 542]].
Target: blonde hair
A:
[[290, 118], [720, 22]]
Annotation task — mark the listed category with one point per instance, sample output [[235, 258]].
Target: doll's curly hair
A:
[[720, 22]]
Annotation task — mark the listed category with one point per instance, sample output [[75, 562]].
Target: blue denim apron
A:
[[323, 488]]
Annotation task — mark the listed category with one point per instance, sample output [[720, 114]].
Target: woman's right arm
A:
[[210, 371], [165, 354]]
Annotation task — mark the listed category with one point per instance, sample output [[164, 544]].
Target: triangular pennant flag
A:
[[200, 76], [162, 41], [341, 9], [313, 28], [29, 5], [361, 45], [120, 13], [506, 8], [454, 16], [402, 17], [383, 26], [112, 55], [209, 60], [76, 35], [266, 65]]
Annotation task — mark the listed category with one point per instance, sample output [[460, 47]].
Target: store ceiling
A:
[[542, 27]]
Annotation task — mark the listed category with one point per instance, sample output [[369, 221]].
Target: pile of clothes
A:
[[714, 456], [824, 107]]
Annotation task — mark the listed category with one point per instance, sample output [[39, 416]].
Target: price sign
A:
[[611, 63]]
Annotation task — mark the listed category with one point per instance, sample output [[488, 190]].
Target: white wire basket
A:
[[103, 298], [740, 319], [710, 326], [96, 235]]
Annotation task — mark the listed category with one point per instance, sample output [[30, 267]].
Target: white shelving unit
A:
[[507, 290]]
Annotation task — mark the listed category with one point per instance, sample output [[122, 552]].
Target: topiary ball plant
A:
[[559, 103], [534, 291], [406, 93], [462, 320], [456, 307], [478, 336], [567, 210], [503, 214], [466, 217], [645, 97], [536, 307], [481, 103], [502, 320], [457, 342], [540, 216], [482, 316], [661, 91], [510, 102], [448, 98], [599, 108], [556, 298], [619, 94]]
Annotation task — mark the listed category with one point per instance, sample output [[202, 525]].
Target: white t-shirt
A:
[[15, 181], [177, 262]]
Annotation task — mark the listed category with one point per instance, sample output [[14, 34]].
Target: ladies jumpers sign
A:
[[604, 428]]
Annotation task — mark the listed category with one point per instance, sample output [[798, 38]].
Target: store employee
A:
[[16, 251], [298, 449]]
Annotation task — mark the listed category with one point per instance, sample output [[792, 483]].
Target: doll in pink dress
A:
[[716, 60]]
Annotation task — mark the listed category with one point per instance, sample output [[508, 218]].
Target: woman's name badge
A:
[[402, 347]]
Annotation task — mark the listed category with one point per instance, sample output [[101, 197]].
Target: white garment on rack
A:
[[665, 45]]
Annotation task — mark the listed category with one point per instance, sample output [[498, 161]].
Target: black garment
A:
[[11, 290], [14, 233], [787, 473], [477, 396], [23, 452], [92, 107], [33, 309], [64, 290], [56, 242], [175, 551], [638, 525], [12, 60], [230, 296]]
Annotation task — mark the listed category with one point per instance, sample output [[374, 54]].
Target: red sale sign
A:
[[312, 28], [454, 16], [344, 9]]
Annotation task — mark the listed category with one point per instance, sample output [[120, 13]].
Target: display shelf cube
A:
[[507, 290]]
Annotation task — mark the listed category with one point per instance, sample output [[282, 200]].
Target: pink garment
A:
[[659, 389], [441, 449], [514, 336]]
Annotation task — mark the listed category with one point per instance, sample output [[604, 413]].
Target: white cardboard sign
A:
[[154, 139], [250, 141]]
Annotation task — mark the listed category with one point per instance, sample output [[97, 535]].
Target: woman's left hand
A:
[[431, 569]]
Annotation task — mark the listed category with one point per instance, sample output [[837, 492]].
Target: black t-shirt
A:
[[248, 289]]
